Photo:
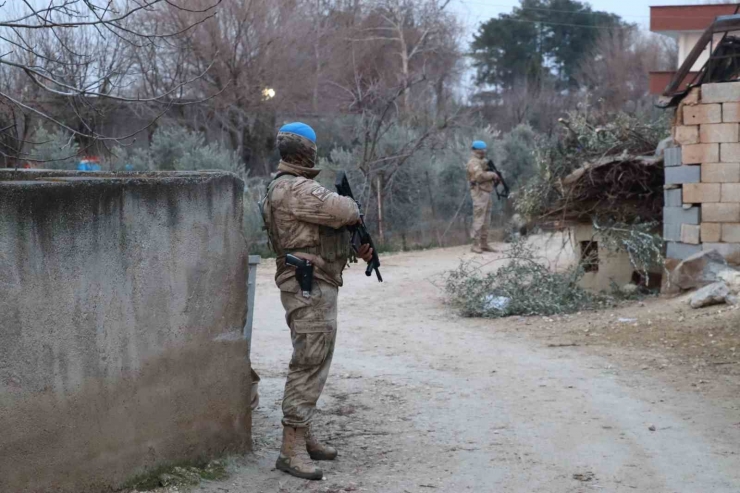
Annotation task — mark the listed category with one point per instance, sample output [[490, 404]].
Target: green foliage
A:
[[524, 286], [518, 154], [176, 148], [642, 241], [539, 39], [179, 475], [54, 150]]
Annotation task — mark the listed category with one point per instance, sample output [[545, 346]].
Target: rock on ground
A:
[[731, 277], [699, 270], [714, 294]]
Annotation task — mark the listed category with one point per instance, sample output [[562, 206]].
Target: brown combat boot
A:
[[317, 450], [487, 248], [476, 247], [293, 457]]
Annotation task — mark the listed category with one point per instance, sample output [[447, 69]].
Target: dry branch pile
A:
[[623, 187], [598, 170]]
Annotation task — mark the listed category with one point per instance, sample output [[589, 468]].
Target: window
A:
[[590, 256]]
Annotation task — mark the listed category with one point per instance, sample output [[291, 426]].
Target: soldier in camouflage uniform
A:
[[482, 181], [307, 220]]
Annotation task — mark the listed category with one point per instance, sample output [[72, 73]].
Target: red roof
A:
[[687, 17]]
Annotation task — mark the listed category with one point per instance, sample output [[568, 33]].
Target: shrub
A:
[[177, 148], [524, 286], [54, 150]]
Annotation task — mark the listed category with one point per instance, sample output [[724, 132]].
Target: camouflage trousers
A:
[[481, 215], [313, 330]]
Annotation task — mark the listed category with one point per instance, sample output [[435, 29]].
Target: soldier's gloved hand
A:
[[496, 178], [365, 252]]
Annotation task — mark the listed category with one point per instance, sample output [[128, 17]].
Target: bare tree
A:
[[380, 159], [410, 29], [76, 55], [617, 73]]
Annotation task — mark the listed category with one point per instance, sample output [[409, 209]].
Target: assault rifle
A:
[[360, 236], [505, 193]]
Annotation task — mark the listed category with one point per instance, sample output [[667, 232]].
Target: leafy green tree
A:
[[541, 38], [55, 149], [177, 148]]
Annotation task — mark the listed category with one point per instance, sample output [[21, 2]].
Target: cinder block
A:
[[729, 153], [672, 198], [679, 215], [702, 113], [731, 251], [720, 173], [686, 134], [719, 132], [730, 192], [672, 231], [721, 213], [700, 153], [731, 112], [682, 174], [693, 97], [731, 233], [690, 234], [720, 92], [672, 156], [711, 232], [681, 251], [701, 193]]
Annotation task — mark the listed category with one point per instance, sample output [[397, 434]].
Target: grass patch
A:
[[178, 474]]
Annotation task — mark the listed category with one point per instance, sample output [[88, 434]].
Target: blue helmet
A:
[[300, 129], [479, 145]]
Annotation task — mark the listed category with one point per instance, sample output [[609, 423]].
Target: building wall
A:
[[614, 267], [702, 196], [122, 302]]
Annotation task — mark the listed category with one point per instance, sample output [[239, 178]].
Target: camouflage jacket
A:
[[306, 219], [478, 174]]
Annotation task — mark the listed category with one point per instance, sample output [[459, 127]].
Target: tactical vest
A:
[[333, 244]]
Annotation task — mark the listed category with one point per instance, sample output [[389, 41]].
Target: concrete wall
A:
[[122, 304], [614, 266], [702, 209]]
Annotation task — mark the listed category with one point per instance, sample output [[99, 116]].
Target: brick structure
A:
[[702, 200]]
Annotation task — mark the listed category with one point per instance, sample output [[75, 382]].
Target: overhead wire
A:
[[545, 9]]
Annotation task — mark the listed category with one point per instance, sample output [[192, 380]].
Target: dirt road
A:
[[421, 400]]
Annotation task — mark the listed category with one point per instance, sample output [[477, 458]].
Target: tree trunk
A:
[[404, 69], [379, 187], [317, 55]]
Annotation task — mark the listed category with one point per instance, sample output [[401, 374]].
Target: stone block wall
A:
[[122, 309], [702, 196]]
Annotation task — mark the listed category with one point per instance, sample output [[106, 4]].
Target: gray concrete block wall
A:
[[679, 215], [682, 174], [681, 251], [672, 231], [731, 251], [672, 156], [703, 170], [123, 302], [673, 198]]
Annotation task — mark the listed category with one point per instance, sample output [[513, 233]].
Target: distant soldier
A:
[[482, 182], [307, 221]]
